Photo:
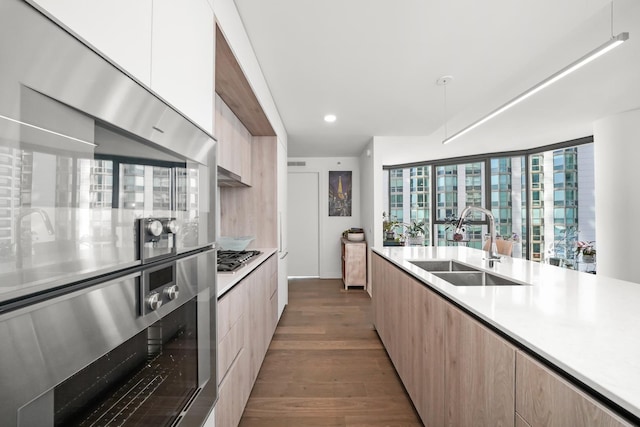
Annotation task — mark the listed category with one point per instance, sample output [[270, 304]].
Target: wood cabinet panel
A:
[[247, 316], [520, 422], [410, 321], [425, 334], [231, 328], [543, 398], [233, 392], [230, 309], [354, 263], [479, 373], [234, 142], [261, 325]]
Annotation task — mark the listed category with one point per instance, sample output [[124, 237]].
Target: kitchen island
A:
[[579, 328]]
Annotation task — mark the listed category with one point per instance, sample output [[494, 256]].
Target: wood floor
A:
[[326, 365]]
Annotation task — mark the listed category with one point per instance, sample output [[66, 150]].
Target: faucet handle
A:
[[492, 260]]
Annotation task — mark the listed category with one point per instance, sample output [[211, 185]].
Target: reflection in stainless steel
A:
[[92, 192], [20, 249], [76, 296], [48, 343], [47, 130]]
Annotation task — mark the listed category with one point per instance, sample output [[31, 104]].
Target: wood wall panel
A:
[[233, 87], [252, 211]]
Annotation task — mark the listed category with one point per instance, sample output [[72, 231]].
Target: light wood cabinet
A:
[[543, 398], [247, 319], [354, 263], [458, 372], [410, 321], [479, 373], [234, 142], [231, 327], [233, 355], [233, 393]]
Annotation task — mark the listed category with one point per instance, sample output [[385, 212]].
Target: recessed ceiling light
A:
[[330, 118]]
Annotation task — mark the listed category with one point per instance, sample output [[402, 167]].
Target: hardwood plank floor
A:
[[326, 366]]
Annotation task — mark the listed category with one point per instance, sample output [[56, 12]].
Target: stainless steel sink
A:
[[459, 274], [443, 265], [475, 278]]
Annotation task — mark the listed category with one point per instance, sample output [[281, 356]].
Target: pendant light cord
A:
[[612, 36], [445, 111]]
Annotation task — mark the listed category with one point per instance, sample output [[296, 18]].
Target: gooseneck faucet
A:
[[24, 213], [493, 247]]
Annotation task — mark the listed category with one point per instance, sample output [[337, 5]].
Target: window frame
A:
[[486, 159]]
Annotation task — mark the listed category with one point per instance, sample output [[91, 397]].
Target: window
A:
[[512, 186]]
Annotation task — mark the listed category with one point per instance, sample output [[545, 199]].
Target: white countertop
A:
[[586, 325], [226, 281]]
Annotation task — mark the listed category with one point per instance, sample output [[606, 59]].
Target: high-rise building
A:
[[560, 206]]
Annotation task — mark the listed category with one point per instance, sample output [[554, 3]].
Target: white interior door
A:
[[303, 223]]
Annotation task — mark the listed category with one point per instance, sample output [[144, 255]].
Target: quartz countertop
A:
[[226, 281], [586, 325]]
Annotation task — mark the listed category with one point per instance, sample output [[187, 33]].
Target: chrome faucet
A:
[[24, 213], [493, 247]]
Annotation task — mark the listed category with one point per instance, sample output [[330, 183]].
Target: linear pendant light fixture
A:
[[606, 47]]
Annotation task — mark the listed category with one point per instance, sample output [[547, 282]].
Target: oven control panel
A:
[[155, 238], [158, 287]]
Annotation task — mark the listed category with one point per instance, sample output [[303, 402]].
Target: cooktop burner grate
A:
[[230, 261]]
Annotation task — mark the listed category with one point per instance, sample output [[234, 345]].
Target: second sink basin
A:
[[443, 265], [475, 278]]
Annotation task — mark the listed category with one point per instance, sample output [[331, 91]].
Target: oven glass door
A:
[[146, 381], [68, 215]]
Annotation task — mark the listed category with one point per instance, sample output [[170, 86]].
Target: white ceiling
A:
[[374, 63]]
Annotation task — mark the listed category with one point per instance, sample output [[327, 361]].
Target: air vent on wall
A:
[[296, 163]]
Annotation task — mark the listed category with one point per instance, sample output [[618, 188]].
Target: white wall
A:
[[331, 228], [617, 202]]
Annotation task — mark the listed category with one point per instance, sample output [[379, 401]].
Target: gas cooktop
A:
[[230, 261]]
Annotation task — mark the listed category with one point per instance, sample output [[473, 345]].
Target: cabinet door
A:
[[182, 57], [232, 141], [261, 319], [354, 264], [123, 37], [410, 321], [231, 328], [424, 335], [545, 399], [233, 393], [479, 374]]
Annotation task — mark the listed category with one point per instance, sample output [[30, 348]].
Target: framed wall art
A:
[[340, 186]]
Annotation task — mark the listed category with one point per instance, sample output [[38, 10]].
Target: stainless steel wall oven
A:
[[107, 261]]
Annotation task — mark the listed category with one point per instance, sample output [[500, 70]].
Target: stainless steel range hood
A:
[[226, 178]]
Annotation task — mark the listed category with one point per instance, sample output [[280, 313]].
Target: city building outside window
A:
[[541, 199]]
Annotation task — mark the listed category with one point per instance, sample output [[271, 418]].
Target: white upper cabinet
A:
[[182, 57], [167, 45], [119, 29]]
